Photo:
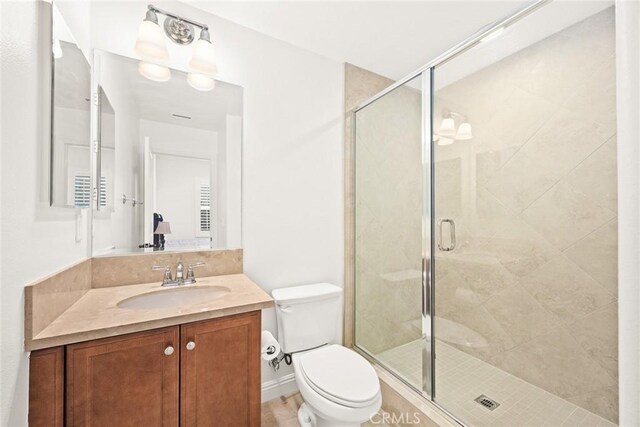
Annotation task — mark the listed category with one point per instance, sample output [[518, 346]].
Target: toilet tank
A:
[[307, 315]]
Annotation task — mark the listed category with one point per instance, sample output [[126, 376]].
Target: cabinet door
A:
[[46, 387], [220, 372], [130, 380]]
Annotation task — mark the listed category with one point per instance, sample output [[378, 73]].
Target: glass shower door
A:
[[525, 217], [391, 323]]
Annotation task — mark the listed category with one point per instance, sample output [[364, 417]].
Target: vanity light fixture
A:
[[155, 72], [464, 132], [448, 134], [447, 127], [152, 49], [200, 82]]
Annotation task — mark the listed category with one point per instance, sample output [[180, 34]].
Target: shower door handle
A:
[[452, 229]]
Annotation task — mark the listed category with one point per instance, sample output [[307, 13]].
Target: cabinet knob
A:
[[191, 345], [168, 350]]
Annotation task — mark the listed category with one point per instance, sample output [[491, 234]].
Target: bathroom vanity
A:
[[126, 355]]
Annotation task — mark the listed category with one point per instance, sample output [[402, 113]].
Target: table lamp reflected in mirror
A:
[[162, 229]]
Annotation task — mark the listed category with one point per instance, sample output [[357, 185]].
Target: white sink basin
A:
[[174, 297]]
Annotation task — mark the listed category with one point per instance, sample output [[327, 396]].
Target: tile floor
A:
[[283, 412], [460, 378]]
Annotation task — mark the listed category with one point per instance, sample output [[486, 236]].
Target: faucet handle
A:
[[167, 279], [191, 278]]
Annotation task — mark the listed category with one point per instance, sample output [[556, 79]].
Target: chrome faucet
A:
[[180, 273], [168, 279]]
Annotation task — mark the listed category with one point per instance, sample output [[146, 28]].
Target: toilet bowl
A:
[[340, 388]]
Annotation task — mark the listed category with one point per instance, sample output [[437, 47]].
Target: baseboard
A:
[[282, 386]]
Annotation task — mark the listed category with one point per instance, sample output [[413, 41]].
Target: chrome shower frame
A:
[[426, 74]]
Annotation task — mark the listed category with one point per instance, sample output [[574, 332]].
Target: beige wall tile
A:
[[565, 290], [520, 315], [596, 177], [564, 216], [561, 144], [597, 333], [132, 269], [482, 322], [603, 402], [556, 363], [359, 85], [597, 254], [48, 298], [519, 117]]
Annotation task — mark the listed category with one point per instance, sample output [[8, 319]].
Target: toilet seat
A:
[[341, 376]]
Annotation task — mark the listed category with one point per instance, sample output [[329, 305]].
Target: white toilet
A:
[[339, 387]]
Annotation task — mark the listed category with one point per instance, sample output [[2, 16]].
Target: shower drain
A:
[[488, 403]]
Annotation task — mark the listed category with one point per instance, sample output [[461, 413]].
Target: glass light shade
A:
[[155, 72], [203, 58], [200, 82], [464, 132], [151, 44], [447, 127], [445, 141]]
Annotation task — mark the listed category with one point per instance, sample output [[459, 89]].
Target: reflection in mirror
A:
[[172, 169], [70, 133], [107, 153]]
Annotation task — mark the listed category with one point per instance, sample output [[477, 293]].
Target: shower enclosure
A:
[[485, 222]]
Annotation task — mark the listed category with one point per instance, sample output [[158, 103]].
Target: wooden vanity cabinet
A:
[[130, 380], [198, 374], [220, 372], [46, 387]]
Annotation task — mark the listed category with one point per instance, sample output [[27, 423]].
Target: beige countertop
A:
[[97, 315]]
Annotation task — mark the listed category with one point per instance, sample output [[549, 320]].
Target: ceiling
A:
[[187, 107], [391, 38]]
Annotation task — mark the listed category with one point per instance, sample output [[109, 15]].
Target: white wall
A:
[[628, 100], [175, 140], [292, 145], [115, 226], [230, 212], [72, 125], [35, 239], [176, 195]]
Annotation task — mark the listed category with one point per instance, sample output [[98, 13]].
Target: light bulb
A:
[[464, 132], [203, 57], [200, 82], [155, 72], [447, 127], [151, 44]]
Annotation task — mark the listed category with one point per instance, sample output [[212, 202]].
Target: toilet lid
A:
[[341, 375]]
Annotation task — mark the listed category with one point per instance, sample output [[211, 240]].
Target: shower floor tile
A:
[[461, 378]]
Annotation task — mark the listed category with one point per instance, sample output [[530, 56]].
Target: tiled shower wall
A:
[[388, 240], [533, 195]]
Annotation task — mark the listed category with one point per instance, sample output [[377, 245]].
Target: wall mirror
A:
[[69, 183], [169, 162]]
